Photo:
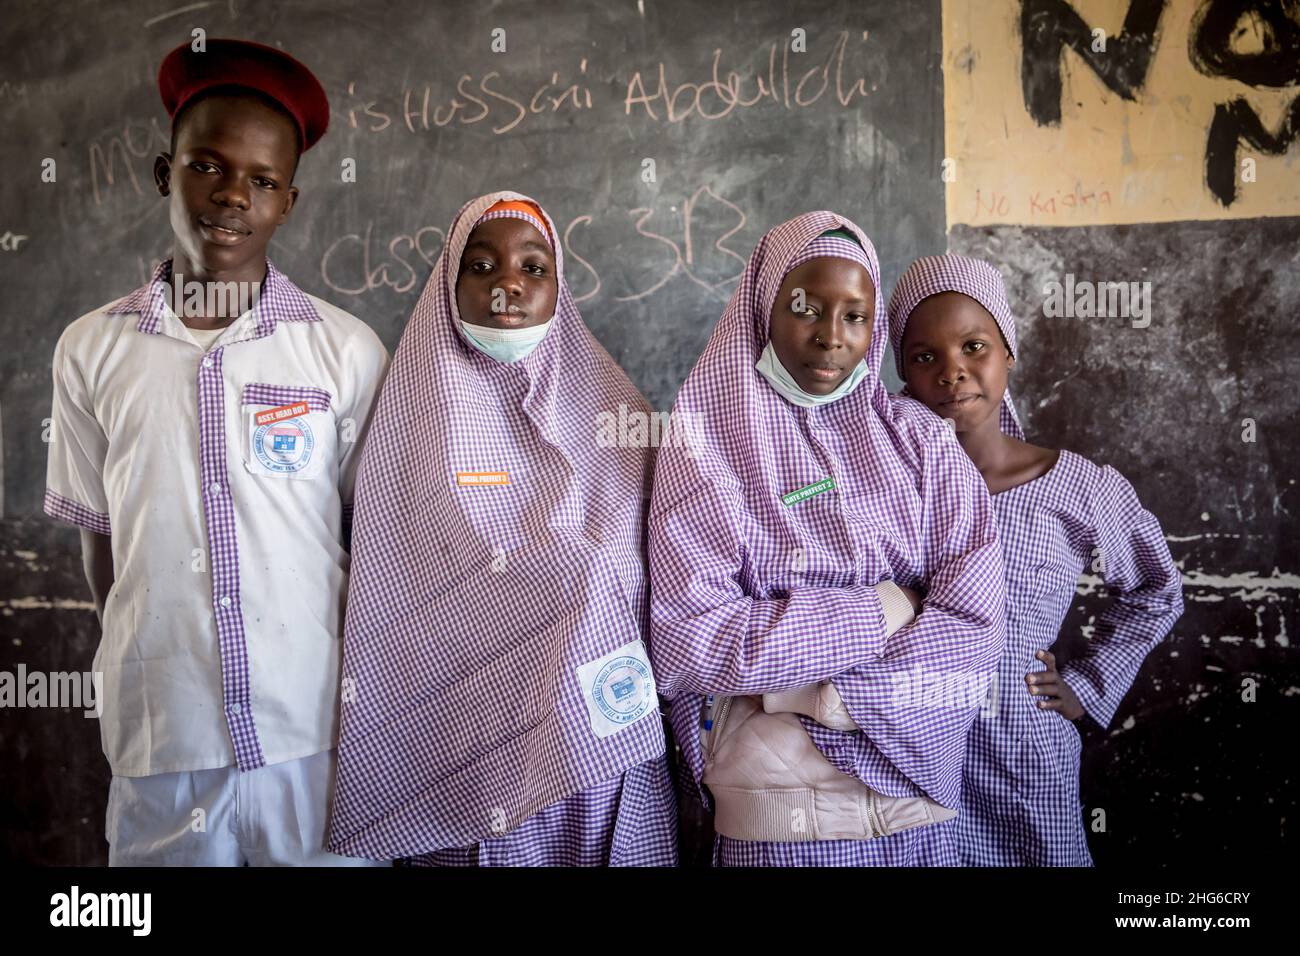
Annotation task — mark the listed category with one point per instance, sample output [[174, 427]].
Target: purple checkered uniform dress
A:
[[1020, 803], [751, 596], [466, 736]]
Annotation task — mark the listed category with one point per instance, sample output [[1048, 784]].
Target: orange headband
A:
[[522, 210]]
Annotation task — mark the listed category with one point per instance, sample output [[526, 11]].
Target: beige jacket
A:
[[770, 782]]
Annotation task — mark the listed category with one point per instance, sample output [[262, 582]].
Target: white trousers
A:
[[273, 816]]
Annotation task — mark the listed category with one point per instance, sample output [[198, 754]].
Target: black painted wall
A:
[[1192, 769]]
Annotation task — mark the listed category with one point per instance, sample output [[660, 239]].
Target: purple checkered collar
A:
[[280, 301]]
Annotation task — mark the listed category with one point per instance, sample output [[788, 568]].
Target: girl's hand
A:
[[1052, 685]]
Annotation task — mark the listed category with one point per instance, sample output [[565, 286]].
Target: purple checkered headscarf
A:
[[932, 275], [474, 599], [751, 594]]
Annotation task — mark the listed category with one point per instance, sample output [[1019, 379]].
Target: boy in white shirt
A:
[[206, 433]]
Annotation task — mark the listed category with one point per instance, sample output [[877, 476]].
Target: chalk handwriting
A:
[[695, 249], [718, 96], [135, 141], [349, 264]]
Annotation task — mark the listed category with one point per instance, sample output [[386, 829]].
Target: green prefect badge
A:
[[807, 491]]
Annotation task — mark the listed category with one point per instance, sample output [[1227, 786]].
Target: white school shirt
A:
[[221, 637], [205, 337]]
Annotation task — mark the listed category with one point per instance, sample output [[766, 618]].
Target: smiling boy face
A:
[[823, 342], [229, 184], [507, 276]]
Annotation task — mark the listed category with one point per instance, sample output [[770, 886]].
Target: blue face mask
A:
[[770, 367], [506, 345]]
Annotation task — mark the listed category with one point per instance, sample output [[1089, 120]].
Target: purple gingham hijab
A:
[[470, 608], [751, 595], [932, 275], [724, 395]]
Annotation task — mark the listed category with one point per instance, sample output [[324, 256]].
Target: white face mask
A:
[[506, 345], [770, 367]]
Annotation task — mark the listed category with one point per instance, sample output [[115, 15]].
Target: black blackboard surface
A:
[[582, 99]]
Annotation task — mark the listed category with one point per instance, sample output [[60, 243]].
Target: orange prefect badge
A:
[[471, 478], [281, 413]]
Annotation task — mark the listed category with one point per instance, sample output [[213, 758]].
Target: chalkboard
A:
[[584, 106], [746, 115]]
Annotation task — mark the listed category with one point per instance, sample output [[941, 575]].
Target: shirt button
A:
[[236, 709], [225, 601], [207, 362], [214, 487]]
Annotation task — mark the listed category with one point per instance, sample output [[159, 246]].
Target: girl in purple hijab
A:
[[820, 715], [498, 703], [1059, 516]]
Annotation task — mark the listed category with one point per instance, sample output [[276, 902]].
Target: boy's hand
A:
[[1052, 685]]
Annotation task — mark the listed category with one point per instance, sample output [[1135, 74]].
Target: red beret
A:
[[184, 74]]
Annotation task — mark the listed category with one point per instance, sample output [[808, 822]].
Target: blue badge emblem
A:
[[623, 689], [284, 447]]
